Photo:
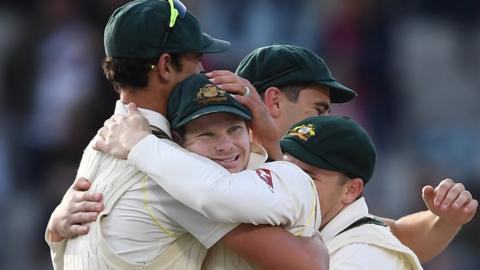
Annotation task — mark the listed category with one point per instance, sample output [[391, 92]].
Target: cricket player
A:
[[141, 226], [340, 156], [210, 122], [294, 83]]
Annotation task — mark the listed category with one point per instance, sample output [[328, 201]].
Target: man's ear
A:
[[164, 67], [272, 101], [353, 189]]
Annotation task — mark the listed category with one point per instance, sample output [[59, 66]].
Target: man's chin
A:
[[235, 168]]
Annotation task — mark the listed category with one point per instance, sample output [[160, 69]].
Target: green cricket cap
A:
[[332, 143], [197, 96], [136, 30], [279, 65]]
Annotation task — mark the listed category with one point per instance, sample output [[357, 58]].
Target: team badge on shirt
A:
[[303, 132], [266, 176], [211, 93]]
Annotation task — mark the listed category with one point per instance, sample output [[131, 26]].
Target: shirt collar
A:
[[258, 156], [342, 220], [154, 118]]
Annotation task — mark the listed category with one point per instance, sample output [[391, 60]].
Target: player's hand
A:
[[451, 202], [264, 128], [77, 209], [121, 133]]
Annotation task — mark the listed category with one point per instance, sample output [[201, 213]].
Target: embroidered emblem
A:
[[303, 132], [266, 176], [210, 93]]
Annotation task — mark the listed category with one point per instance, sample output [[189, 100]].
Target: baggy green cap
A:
[[136, 30], [197, 96], [279, 65], [332, 143]]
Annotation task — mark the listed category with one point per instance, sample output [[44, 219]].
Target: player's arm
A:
[[250, 196], [70, 218], [274, 248], [429, 232], [212, 190], [265, 132], [74, 213]]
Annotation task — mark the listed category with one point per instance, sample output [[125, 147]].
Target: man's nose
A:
[[224, 144]]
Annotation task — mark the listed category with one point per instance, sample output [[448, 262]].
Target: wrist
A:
[[53, 233], [447, 225]]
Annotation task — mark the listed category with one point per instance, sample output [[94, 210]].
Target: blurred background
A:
[[414, 63]]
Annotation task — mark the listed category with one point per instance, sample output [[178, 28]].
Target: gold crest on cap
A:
[[303, 132], [210, 93]]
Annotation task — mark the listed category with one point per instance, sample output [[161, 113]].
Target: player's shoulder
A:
[[285, 168], [364, 256]]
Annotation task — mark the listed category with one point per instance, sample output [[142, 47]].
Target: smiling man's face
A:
[[221, 137]]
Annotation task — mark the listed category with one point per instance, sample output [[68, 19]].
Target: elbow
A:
[[320, 261]]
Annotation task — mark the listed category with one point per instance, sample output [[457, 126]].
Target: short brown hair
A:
[[133, 72]]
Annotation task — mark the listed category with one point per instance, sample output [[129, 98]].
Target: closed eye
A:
[[206, 134], [322, 108], [235, 128]]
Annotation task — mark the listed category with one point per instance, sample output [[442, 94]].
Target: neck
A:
[[327, 217], [146, 99]]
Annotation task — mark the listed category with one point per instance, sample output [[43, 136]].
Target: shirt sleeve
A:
[[251, 196], [365, 257], [57, 250]]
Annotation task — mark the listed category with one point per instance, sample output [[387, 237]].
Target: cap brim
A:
[[213, 45], [295, 149], [210, 110], [339, 93]]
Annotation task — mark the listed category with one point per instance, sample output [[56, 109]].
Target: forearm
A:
[[52, 233], [274, 248], [272, 145], [57, 250], [208, 188], [424, 233], [273, 149]]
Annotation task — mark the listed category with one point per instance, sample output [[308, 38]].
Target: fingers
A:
[[232, 83], [249, 103], [81, 184], [442, 190], [100, 144], [217, 73], [235, 88], [132, 109], [452, 195], [87, 206], [224, 79], [79, 196], [80, 229], [471, 207], [428, 195], [109, 123], [115, 119], [82, 218], [463, 198]]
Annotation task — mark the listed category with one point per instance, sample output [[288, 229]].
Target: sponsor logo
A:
[[266, 176]]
